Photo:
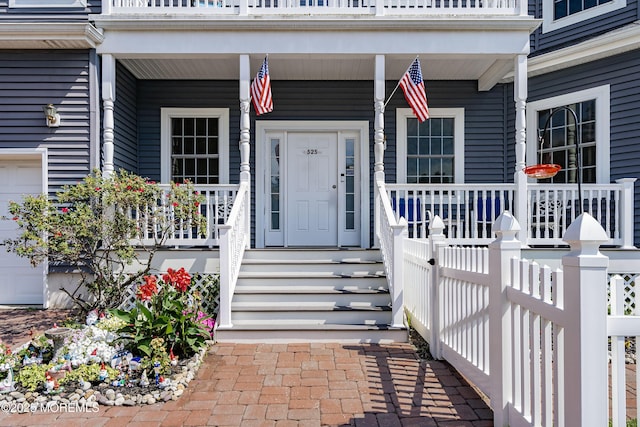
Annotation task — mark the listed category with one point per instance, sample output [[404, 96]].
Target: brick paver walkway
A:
[[299, 385]]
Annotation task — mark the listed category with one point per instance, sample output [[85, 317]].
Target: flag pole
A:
[[398, 84]]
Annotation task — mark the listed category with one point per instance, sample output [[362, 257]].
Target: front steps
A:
[[306, 295]]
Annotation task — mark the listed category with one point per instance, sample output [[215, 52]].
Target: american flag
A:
[[414, 92], [261, 90]]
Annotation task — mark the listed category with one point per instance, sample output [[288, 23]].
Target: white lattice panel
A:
[[206, 286], [629, 290]]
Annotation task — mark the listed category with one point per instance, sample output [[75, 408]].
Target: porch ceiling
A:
[[317, 67]]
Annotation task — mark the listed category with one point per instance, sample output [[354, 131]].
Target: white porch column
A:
[[378, 139], [520, 179], [378, 127], [245, 134], [626, 210], [108, 99]]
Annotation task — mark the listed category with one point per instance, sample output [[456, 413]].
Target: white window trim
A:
[[402, 114], [549, 24], [222, 114], [602, 96], [47, 3]]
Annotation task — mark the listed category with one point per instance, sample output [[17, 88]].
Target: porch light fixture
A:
[[549, 170], [51, 116]]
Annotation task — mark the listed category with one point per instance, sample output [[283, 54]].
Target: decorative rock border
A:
[[104, 394]]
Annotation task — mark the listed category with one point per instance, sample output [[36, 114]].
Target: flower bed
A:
[[140, 356]]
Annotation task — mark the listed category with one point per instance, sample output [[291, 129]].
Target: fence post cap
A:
[[585, 235], [506, 222], [436, 225]]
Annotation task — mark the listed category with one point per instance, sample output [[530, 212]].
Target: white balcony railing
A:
[[261, 7], [469, 210], [216, 209]]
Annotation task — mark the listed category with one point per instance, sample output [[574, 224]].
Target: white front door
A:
[[312, 181], [20, 283], [312, 189]]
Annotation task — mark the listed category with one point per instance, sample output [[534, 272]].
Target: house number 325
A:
[[312, 151]]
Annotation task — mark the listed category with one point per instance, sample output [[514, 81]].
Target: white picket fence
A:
[[535, 341]]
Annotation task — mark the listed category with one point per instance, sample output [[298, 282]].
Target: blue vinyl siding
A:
[[486, 160], [125, 154], [485, 156], [580, 31], [622, 72], [28, 81]]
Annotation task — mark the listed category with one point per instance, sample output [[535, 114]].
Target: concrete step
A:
[[342, 299], [321, 314], [350, 286], [301, 266], [286, 295], [312, 255], [290, 333]]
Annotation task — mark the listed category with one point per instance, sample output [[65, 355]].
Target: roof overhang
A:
[[49, 35], [613, 43], [459, 48]]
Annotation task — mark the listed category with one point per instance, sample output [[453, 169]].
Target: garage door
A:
[[20, 283]]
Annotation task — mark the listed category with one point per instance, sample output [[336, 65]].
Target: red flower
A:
[[179, 279], [98, 188], [197, 204], [150, 288], [175, 204], [64, 210], [15, 218]]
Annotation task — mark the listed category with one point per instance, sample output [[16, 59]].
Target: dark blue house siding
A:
[[485, 137], [155, 94], [486, 158], [125, 154], [28, 81], [622, 72], [583, 30]]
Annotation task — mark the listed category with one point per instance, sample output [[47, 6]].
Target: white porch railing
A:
[[533, 340], [391, 233], [235, 237], [468, 210], [553, 207], [306, 7], [216, 209]]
